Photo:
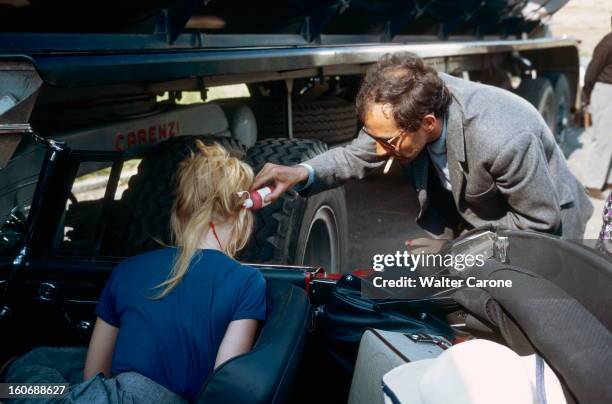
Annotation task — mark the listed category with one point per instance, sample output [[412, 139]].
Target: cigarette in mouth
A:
[[388, 165]]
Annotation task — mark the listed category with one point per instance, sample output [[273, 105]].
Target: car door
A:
[[57, 265]]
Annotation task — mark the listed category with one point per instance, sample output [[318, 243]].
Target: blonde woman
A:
[[175, 314]]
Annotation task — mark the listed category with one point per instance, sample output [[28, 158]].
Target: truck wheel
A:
[[323, 236], [539, 92], [563, 103], [331, 119], [296, 230], [143, 216]]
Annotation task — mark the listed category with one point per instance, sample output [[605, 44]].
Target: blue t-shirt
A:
[[174, 340]]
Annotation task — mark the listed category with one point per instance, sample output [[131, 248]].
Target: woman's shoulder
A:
[[234, 266], [228, 270], [251, 274]]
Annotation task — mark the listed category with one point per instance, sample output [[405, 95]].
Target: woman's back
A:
[[174, 340]]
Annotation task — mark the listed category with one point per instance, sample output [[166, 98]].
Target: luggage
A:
[[380, 351]]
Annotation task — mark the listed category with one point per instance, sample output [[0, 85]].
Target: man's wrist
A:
[[309, 179]]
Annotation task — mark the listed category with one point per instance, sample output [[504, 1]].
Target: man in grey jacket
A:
[[475, 154]]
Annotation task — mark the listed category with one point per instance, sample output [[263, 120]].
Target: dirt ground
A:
[[586, 20]]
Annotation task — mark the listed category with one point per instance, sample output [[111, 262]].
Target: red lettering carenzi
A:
[[149, 135]]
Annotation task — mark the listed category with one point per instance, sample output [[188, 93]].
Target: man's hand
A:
[[280, 177]]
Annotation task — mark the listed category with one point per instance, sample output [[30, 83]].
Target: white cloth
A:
[[600, 149], [472, 372]]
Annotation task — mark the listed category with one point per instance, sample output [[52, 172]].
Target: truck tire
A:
[[297, 230], [330, 119], [142, 220], [563, 104], [540, 93]]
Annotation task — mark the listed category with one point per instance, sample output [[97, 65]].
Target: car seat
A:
[[265, 374]]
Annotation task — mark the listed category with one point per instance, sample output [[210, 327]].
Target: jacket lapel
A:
[[455, 151]]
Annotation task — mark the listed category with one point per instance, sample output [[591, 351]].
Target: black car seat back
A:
[[265, 374]]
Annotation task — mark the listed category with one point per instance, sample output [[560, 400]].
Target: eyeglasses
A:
[[388, 144]]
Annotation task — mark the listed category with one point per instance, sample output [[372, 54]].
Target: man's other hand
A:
[[280, 177]]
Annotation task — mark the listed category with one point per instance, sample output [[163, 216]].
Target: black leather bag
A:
[[349, 313]]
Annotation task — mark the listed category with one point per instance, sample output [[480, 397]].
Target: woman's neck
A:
[[223, 232]]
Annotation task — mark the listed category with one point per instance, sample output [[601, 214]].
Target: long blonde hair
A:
[[207, 183]]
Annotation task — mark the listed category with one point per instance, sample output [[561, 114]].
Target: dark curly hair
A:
[[411, 88]]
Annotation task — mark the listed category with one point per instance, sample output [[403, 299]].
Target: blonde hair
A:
[[207, 183]]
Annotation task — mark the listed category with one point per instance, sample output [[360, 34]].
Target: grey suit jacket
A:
[[505, 166]]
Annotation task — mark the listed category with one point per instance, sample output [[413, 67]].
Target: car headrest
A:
[[265, 374]]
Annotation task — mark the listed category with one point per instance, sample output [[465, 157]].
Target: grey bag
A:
[[380, 351]]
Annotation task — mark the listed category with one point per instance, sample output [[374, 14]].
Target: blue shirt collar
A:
[[439, 146]]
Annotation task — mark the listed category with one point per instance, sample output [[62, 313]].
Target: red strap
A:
[[212, 226]]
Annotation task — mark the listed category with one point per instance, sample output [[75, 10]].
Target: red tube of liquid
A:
[[256, 199]]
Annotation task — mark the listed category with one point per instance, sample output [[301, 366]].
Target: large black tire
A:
[[142, 220], [296, 230], [563, 104], [330, 119], [540, 93]]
